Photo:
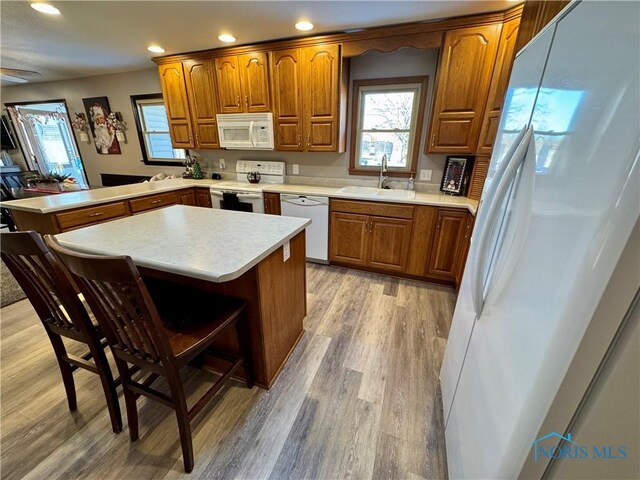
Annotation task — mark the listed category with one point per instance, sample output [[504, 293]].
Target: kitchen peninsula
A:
[[256, 258]]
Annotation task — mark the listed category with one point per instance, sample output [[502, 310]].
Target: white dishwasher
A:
[[317, 209]]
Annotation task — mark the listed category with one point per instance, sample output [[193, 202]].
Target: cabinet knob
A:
[[433, 139], [246, 100], [299, 142], [97, 214], [238, 100], [308, 140]]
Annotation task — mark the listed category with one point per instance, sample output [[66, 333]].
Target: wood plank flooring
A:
[[359, 398]]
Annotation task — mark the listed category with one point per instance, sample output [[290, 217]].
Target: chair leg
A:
[[65, 370], [182, 416], [109, 388], [242, 332], [184, 427], [129, 399]]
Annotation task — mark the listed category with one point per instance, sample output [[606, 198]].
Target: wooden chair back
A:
[[47, 285], [122, 305]]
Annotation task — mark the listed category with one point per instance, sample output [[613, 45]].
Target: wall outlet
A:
[[296, 169], [425, 175], [223, 165]]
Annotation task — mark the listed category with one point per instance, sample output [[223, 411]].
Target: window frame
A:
[[143, 145], [418, 122]]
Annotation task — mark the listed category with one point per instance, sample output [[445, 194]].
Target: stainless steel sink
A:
[[377, 192]]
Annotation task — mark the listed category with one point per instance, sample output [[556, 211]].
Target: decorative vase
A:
[[120, 136], [84, 136]]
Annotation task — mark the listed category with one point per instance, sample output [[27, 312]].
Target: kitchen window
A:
[[387, 117], [153, 131]]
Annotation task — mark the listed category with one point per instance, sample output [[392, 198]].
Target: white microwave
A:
[[246, 131]]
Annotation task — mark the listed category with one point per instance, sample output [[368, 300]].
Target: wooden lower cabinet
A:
[[389, 240], [271, 203], [447, 242], [203, 197], [187, 198], [349, 238], [430, 243]]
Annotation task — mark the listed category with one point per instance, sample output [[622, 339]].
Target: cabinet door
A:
[[464, 249], [464, 73], [203, 197], [321, 83], [228, 82], [174, 93], [272, 203], [447, 241], [498, 88], [202, 101], [286, 86], [389, 240], [349, 238], [255, 82], [187, 197]]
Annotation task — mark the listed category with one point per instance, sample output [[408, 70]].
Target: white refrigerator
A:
[[560, 202]]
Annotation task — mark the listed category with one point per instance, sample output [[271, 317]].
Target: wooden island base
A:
[[275, 293]]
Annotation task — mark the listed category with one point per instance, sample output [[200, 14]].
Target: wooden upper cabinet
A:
[[309, 122], [498, 88], [202, 101], [286, 86], [174, 93], [321, 81], [243, 83], [254, 82], [447, 242], [228, 80], [535, 15], [464, 74]]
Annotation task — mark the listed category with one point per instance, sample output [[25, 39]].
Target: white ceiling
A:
[[98, 37]]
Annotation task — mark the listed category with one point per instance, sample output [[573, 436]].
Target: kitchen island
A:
[[256, 258]]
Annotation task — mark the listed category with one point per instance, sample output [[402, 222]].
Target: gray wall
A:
[[118, 88]]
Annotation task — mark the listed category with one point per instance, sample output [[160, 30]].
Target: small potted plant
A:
[[51, 182]]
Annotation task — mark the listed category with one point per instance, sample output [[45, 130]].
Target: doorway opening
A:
[[46, 137]]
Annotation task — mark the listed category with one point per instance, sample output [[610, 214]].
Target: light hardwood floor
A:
[[359, 398]]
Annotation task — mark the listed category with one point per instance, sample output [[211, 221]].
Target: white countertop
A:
[[64, 201], [204, 243]]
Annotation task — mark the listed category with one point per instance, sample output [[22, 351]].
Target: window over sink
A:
[[387, 117], [153, 131]]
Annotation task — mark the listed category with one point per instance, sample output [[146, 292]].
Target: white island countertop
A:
[[211, 245]]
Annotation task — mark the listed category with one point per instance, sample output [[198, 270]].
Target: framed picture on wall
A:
[[102, 129], [456, 175]]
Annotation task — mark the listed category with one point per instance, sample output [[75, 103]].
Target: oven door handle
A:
[[249, 195]]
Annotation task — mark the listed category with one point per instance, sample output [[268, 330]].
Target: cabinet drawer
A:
[[372, 208], [153, 201], [89, 215]]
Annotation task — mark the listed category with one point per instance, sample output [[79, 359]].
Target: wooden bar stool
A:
[[50, 290], [140, 335]]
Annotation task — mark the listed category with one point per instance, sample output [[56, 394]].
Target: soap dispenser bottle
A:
[[410, 186]]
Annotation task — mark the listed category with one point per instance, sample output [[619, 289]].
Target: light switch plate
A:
[[286, 251], [296, 169], [223, 165], [425, 175]]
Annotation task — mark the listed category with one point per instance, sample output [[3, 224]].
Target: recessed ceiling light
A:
[[304, 25], [226, 38], [156, 49], [45, 8]]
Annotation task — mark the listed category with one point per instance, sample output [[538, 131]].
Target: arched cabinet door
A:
[[462, 85], [174, 93], [321, 84], [255, 82], [286, 87], [201, 91], [229, 88]]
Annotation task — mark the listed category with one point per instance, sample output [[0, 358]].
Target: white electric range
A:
[[245, 196]]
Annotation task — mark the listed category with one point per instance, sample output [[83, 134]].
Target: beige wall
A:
[[119, 87]]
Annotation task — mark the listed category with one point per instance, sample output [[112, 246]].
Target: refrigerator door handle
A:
[[478, 260]]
